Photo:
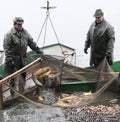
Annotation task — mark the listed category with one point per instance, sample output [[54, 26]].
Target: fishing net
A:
[[102, 75]]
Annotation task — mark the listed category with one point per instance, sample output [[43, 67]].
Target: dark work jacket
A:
[[15, 47], [101, 39]]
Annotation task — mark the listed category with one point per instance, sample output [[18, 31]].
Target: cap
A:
[[18, 20], [98, 13]]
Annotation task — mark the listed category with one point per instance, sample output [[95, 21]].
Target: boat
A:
[[69, 82]]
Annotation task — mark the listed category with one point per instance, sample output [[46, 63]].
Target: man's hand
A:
[[85, 50], [12, 63], [109, 58], [39, 52], [108, 54]]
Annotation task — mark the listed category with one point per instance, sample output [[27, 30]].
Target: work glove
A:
[[39, 52], [85, 50], [109, 58], [12, 63]]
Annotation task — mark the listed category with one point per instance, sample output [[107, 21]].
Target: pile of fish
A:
[[73, 100], [47, 79], [46, 76]]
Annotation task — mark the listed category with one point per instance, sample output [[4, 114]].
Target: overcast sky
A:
[[71, 19]]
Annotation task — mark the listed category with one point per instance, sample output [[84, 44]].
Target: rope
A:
[[117, 97], [41, 29], [56, 35], [45, 24], [54, 29], [27, 99], [45, 31]]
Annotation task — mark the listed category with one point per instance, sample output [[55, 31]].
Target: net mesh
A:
[[103, 75]]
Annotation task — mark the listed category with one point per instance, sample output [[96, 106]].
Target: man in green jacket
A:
[[100, 38], [15, 46]]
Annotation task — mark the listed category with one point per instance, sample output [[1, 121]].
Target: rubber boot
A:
[[12, 93], [118, 87], [12, 84], [21, 85]]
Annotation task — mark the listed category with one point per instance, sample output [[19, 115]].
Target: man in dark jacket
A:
[[15, 46], [100, 38]]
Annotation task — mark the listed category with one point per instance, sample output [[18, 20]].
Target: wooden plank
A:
[[24, 69]]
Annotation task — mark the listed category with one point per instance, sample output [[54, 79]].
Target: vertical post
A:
[[1, 98]]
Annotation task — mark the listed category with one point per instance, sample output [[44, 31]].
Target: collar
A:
[[16, 31], [99, 24]]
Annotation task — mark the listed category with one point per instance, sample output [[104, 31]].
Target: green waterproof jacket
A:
[[101, 40], [15, 47]]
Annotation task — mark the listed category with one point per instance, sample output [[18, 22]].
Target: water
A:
[[108, 98], [25, 112]]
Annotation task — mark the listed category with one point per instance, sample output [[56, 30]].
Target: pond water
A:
[[23, 111]]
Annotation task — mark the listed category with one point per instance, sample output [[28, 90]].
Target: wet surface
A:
[[105, 109], [48, 96], [25, 112], [108, 98]]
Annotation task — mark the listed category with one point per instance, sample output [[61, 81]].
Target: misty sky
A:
[[71, 19]]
